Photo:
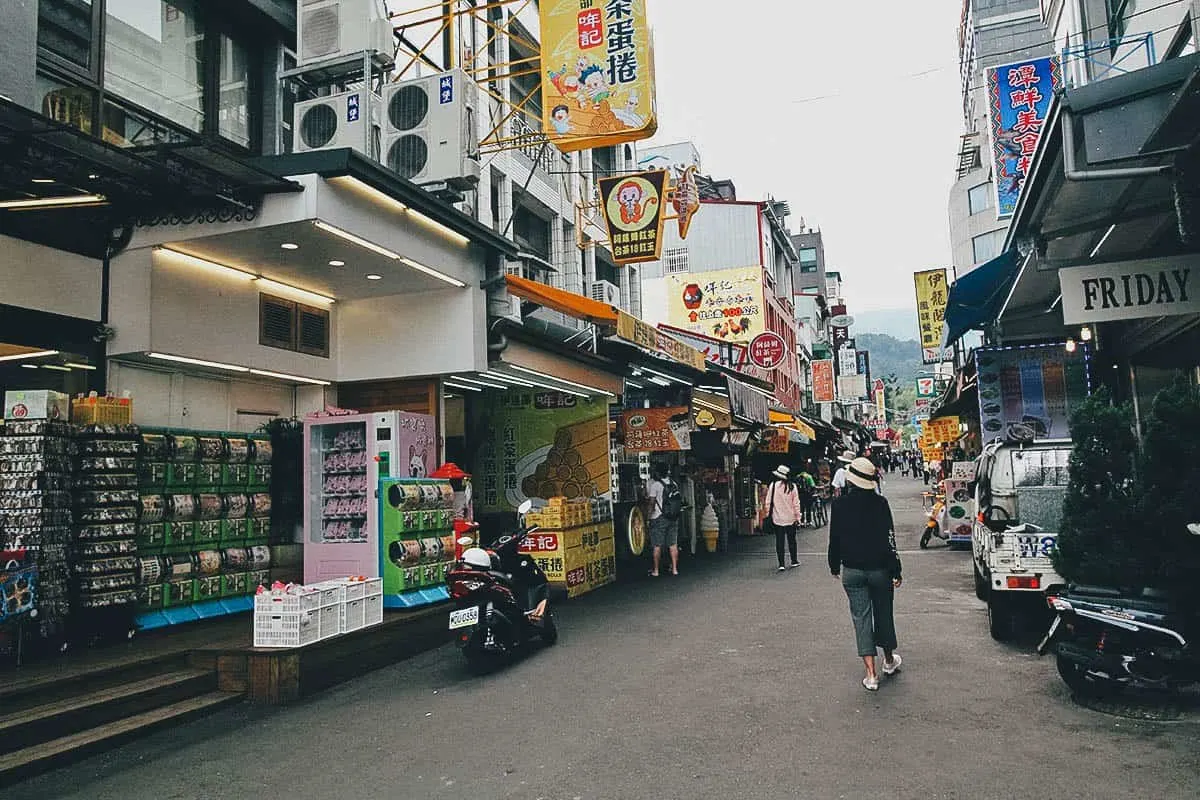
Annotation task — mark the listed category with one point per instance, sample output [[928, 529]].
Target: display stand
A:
[[416, 540]]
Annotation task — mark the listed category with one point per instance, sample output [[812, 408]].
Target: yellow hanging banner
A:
[[598, 73]]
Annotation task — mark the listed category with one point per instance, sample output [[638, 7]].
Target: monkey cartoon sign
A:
[[633, 211]]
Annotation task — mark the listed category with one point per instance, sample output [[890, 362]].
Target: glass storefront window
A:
[[153, 57], [234, 112], [73, 105], [65, 28]]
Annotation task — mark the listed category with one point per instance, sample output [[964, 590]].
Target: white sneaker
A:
[[894, 666], [871, 684]]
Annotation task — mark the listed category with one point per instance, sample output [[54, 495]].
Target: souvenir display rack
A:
[[204, 525]]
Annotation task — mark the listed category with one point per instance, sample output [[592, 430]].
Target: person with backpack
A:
[[783, 514], [665, 501]]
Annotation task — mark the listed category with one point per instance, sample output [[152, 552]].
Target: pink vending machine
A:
[[344, 458]]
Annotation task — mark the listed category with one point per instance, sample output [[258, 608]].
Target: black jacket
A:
[[861, 533]]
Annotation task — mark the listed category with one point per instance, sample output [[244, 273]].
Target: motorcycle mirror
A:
[[525, 507]]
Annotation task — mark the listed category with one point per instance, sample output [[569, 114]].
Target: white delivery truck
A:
[[1019, 491]]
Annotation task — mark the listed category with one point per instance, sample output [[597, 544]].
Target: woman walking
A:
[[784, 513], [862, 552]]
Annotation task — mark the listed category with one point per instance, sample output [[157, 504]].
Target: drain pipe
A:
[[1073, 173]]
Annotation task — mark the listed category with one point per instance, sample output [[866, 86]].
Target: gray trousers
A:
[[870, 593]]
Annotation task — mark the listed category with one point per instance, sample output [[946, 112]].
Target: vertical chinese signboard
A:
[[1018, 100], [932, 292], [633, 211], [598, 84], [822, 378]]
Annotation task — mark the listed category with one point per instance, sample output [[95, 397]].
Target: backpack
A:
[[672, 502]]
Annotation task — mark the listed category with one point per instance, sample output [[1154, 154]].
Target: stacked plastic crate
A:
[[301, 615]]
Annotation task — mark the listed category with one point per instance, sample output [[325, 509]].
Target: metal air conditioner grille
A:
[[318, 126], [321, 28], [313, 331], [276, 322], [408, 107], [408, 156]]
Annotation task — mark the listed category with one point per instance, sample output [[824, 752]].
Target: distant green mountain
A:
[[891, 356]]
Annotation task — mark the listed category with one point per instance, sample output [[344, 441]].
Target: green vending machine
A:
[[416, 540]]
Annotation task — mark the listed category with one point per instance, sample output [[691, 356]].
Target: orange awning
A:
[[569, 303]]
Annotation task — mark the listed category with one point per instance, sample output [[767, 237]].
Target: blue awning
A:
[[975, 298]]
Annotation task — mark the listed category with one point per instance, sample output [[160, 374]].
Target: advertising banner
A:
[[582, 558], [645, 335], [1154, 287], [633, 212], [1019, 97], [956, 519], [822, 378], [417, 439], [1030, 391], [735, 355], [942, 430], [726, 304], [848, 361], [648, 430], [598, 87], [775, 440], [932, 292], [537, 445], [926, 389]]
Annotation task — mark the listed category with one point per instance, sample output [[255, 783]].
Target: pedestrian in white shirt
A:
[[839, 477]]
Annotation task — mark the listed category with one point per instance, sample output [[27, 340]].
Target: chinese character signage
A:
[[1018, 100], [848, 361], [822, 381], [645, 335], [767, 350], [932, 292], [537, 445], [1031, 391], [774, 440], [598, 86], [941, 430], [726, 304], [633, 212], [863, 364], [580, 559], [418, 445], [649, 430]]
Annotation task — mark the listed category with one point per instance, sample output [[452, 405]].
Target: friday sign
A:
[[1154, 287]]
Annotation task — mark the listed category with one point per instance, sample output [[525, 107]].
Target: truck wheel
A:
[[1082, 684], [981, 584], [1001, 620]]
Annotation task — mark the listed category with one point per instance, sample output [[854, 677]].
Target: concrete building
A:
[[991, 33]]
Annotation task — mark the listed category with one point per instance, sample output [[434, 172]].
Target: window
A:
[[289, 325], [675, 260], [66, 29], [808, 259], [987, 246], [979, 198], [233, 119]]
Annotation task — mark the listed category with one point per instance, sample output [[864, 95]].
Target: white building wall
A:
[[53, 281], [722, 236]]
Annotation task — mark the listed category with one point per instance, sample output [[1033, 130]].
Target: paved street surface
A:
[[730, 681]]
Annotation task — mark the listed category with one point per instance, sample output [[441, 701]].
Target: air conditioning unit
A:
[[348, 119], [605, 292], [331, 29], [429, 134]]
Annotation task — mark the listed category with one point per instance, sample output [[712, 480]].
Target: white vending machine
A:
[[344, 458]]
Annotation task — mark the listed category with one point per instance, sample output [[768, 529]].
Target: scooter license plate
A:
[[464, 617]]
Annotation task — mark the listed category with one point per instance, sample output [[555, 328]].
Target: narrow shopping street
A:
[[732, 681]]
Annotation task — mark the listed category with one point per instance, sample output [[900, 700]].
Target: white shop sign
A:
[[847, 361], [1153, 287]]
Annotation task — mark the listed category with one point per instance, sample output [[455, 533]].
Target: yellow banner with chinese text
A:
[[932, 292]]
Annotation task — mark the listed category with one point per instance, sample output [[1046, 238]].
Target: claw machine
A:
[[345, 455]]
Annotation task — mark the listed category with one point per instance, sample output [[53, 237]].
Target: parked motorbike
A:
[[1106, 640], [501, 599], [933, 524]]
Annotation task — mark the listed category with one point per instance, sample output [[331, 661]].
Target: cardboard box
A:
[[36, 404]]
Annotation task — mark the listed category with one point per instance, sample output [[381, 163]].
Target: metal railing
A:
[[1090, 62]]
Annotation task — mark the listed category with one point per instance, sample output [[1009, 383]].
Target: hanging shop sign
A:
[[1030, 391], [633, 212], [767, 350], [1019, 98], [822, 380], [839, 334], [847, 361], [879, 389], [774, 440], [686, 200], [852, 387], [1153, 287], [646, 336], [932, 292], [598, 87], [926, 388], [727, 304], [650, 430], [537, 445], [863, 364], [842, 321], [942, 430]]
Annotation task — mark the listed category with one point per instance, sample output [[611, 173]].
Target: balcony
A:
[[1090, 62]]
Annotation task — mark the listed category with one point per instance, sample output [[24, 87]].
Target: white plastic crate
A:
[[330, 620], [331, 592], [373, 586], [286, 630], [373, 609], [353, 590], [305, 598], [353, 615]]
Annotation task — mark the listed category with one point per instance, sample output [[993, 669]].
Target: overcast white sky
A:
[[870, 166]]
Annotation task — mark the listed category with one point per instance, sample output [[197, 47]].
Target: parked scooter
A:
[[933, 524], [1106, 640], [501, 599]]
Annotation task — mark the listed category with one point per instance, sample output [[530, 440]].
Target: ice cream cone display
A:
[[710, 530]]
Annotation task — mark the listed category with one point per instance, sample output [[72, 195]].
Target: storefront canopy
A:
[[569, 303], [781, 419], [976, 298]]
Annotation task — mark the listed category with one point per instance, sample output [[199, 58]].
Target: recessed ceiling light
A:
[[336, 263], [374, 277], [43, 180], [290, 246]]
